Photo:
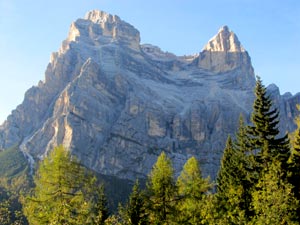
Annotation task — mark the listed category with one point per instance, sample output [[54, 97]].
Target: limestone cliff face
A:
[[224, 53], [117, 104]]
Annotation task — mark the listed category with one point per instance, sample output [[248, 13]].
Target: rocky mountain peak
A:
[[224, 41], [100, 28], [116, 104], [100, 17], [224, 53]]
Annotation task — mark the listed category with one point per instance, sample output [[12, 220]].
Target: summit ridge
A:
[[97, 16], [224, 41]]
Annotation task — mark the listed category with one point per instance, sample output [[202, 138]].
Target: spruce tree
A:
[[227, 172], [134, 212], [264, 132], [192, 189], [230, 189], [247, 173], [247, 163], [98, 204], [267, 151], [161, 192]]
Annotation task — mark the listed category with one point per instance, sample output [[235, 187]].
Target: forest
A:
[[258, 183]]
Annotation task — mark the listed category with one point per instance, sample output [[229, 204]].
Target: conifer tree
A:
[[11, 209], [98, 204], [273, 200], [161, 191], [242, 147], [227, 173], [230, 189], [261, 144], [192, 189], [134, 212], [264, 132], [295, 161], [250, 161], [62, 194], [294, 168], [247, 173]]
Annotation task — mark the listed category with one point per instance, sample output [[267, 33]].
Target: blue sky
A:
[[30, 30]]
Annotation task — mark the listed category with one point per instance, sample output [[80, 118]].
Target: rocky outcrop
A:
[[224, 53], [117, 104], [287, 105]]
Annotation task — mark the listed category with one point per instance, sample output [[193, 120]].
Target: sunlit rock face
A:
[[116, 104], [224, 53]]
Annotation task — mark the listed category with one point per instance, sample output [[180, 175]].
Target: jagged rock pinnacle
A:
[[224, 53], [99, 28], [224, 41], [97, 16]]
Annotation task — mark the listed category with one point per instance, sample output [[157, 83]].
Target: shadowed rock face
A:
[[117, 104]]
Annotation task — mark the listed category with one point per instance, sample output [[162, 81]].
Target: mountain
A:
[[116, 104]]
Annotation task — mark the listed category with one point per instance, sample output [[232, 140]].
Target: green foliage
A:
[[64, 192], [12, 162], [263, 134], [161, 191], [231, 188], [247, 160], [114, 193], [273, 200], [113, 220], [14, 179], [294, 163], [209, 211], [14, 170], [227, 174], [192, 189], [246, 168], [190, 182], [134, 213], [99, 210], [5, 214], [268, 149], [10, 209], [256, 184], [294, 168]]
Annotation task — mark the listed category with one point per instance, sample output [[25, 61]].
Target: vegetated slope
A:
[[14, 170]]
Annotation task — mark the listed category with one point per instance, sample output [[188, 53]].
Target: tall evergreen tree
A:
[[161, 191], [262, 146], [99, 210], [62, 194], [227, 173], [264, 132], [247, 165], [192, 189], [230, 189], [134, 212], [242, 146]]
